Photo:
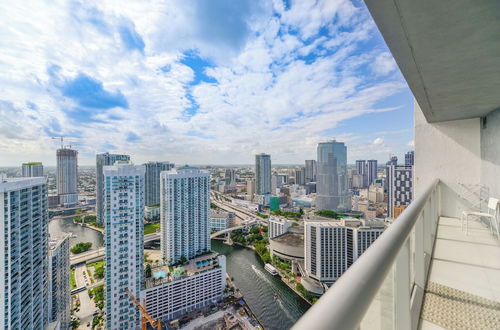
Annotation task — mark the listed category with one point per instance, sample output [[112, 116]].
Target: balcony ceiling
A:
[[448, 52]]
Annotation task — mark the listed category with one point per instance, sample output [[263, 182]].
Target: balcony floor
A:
[[463, 288]]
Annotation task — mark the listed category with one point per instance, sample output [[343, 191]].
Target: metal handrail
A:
[[345, 304]]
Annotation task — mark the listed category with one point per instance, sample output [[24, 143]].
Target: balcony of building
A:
[[425, 271]]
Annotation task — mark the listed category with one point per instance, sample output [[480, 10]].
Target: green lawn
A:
[[151, 228], [72, 280]]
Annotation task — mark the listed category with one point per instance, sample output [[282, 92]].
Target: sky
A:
[[198, 82]]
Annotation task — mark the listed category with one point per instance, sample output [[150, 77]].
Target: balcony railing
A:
[[384, 288]]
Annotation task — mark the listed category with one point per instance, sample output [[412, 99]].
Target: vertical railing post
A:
[[402, 288], [419, 253]]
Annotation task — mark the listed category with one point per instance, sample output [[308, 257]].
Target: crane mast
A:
[[145, 319]]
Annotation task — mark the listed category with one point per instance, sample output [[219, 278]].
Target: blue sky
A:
[[198, 82]]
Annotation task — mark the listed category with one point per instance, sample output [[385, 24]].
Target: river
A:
[[258, 287], [83, 234]]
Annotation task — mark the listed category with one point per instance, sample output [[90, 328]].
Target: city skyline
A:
[[225, 91]]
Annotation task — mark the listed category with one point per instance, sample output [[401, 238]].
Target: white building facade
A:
[[59, 285], [124, 243], [400, 185], [278, 226], [219, 221], [331, 247], [24, 258], [187, 293], [184, 213]]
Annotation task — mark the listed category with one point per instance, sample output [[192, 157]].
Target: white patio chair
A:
[[492, 215]]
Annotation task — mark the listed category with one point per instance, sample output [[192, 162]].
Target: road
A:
[[87, 306]]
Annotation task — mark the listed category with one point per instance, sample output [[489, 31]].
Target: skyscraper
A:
[[184, 213], [67, 176], [360, 166], [310, 170], [410, 158], [392, 161], [331, 186], [230, 177], [331, 247], [371, 172], [362, 171], [32, 169], [300, 176], [101, 160], [400, 183], [24, 257], [153, 170], [262, 174], [59, 285], [124, 242]]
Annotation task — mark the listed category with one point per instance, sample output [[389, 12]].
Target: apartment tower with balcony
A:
[[24, 302], [123, 242], [184, 213]]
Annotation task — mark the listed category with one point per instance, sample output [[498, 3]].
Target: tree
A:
[[81, 247], [148, 271], [182, 260]]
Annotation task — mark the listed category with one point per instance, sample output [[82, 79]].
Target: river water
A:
[[258, 287], [83, 234]]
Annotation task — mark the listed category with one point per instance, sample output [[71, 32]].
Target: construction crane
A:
[[59, 138], [145, 316]]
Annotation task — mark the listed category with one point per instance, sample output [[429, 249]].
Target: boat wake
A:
[[262, 275]]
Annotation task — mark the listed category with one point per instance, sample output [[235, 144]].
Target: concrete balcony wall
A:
[[450, 151], [490, 153]]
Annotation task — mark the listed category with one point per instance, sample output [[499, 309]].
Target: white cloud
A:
[[280, 86], [378, 141]]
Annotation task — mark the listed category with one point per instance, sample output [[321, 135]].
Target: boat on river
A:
[[271, 270]]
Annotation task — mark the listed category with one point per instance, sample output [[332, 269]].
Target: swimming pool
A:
[[203, 263], [158, 275]]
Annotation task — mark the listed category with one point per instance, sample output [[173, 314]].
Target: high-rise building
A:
[[230, 178], [24, 258], [361, 169], [124, 242], [153, 170], [67, 176], [262, 174], [184, 213], [331, 247], [392, 161], [331, 185], [400, 185], [59, 285], [251, 188], [410, 158], [371, 172], [310, 170], [32, 169], [101, 160], [300, 176]]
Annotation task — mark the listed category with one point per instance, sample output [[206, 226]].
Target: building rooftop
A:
[[292, 239]]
